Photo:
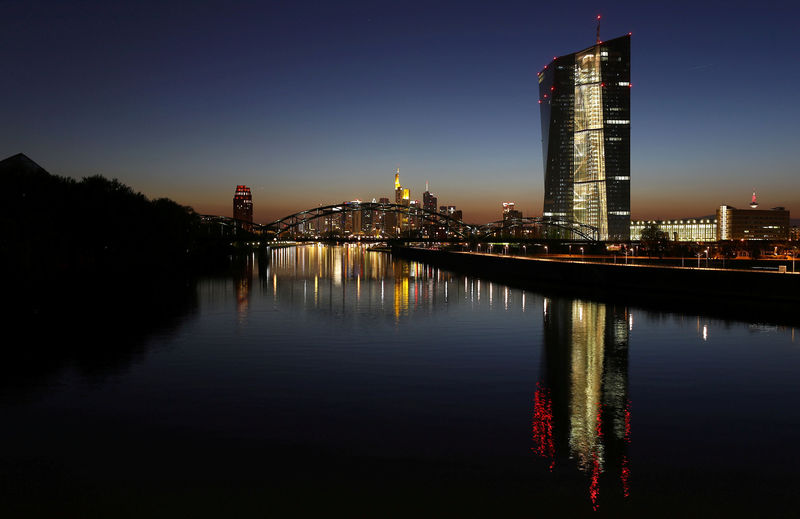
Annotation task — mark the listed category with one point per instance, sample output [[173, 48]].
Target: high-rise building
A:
[[429, 202], [243, 205], [511, 220], [398, 189], [509, 211], [584, 103]]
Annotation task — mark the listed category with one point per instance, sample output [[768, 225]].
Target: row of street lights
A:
[[626, 252]]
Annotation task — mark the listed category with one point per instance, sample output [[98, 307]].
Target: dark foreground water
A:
[[340, 382]]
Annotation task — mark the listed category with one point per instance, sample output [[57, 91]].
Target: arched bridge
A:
[[378, 220]]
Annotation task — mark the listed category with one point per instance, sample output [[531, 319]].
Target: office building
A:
[[512, 226], [752, 224], [688, 230], [509, 213], [584, 103], [243, 205], [429, 202]]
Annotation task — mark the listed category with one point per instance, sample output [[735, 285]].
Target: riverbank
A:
[[725, 293]]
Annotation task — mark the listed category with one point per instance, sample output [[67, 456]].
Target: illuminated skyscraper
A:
[[584, 103], [243, 204]]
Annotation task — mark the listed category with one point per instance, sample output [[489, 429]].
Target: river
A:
[[340, 381]]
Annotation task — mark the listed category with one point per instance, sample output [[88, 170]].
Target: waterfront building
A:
[[752, 224], [584, 103], [243, 205], [688, 230]]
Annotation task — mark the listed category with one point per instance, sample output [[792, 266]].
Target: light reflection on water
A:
[[379, 373]]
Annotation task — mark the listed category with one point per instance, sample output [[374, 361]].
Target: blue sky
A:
[[317, 102]]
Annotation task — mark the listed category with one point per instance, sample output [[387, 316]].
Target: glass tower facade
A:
[[584, 101]]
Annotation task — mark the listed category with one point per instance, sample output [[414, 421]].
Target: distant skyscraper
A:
[[584, 103], [429, 201], [243, 204], [398, 189], [509, 211]]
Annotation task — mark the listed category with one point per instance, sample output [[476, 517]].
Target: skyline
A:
[[312, 104]]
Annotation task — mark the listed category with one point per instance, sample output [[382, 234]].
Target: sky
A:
[[312, 103]]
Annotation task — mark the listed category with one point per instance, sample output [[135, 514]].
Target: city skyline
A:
[[313, 104]]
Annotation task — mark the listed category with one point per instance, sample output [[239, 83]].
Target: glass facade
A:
[[679, 230], [584, 101]]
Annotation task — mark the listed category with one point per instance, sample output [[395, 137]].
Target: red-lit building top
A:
[[243, 204]]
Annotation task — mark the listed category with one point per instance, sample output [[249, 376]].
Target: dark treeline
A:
[[54, 225], [67, 246]]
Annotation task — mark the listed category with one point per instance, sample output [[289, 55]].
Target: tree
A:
[[654, 240]]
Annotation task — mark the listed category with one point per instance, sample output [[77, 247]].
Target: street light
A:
[[706, 258], [545, 250], [581, 252]]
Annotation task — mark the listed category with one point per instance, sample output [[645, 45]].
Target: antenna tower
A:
[[598, 30]]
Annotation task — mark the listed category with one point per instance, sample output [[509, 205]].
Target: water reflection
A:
[[357, 279], [243, 282], [581, 411]]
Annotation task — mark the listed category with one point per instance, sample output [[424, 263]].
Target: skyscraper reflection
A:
[[243, 282], [581, 411]]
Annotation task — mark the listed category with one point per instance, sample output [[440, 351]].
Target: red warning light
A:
[[540, 101], [602, 84], [552, 88]]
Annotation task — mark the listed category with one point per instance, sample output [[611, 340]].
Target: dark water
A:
[[337, 381]]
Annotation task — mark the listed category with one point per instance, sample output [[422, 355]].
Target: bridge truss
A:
[[396, 221]]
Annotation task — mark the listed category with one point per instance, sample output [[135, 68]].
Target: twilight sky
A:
[[314, 103]]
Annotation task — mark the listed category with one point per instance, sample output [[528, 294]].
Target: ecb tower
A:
[[584, 101]]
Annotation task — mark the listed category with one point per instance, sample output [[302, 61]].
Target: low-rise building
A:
[[692, 229], [752, 224]]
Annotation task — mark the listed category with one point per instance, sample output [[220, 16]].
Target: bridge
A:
[[387, 221]]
